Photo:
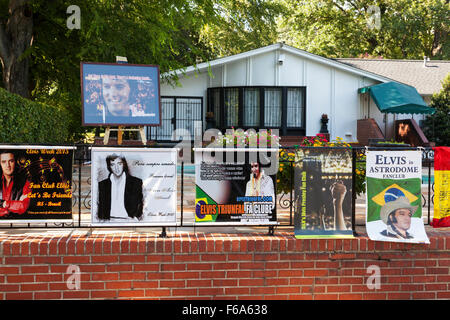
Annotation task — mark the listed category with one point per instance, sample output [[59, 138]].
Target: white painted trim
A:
[[332, 102], [282, 47]]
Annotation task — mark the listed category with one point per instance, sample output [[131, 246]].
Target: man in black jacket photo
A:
[[120, 195]]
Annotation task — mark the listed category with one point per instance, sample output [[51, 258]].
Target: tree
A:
[[437, 125], [41, 56], [395, 29], [16, 34], [242, 25]]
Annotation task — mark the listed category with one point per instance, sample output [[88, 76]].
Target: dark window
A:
[[283, 108], [177, 113]]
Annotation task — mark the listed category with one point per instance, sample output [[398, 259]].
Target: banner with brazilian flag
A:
[[235, 186], [441, 216], [394, 197]]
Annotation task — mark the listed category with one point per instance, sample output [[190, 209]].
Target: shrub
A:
[[26, 121]]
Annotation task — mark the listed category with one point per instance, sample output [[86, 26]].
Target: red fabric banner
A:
[[441, 216]]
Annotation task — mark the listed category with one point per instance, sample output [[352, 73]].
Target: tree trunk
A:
[[15, 38]]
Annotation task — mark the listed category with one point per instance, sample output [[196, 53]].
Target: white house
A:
[[277, 86]]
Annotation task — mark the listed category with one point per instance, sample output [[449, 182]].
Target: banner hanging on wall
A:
[[236, 186], [394, 206], [134, 186], [323, 193], [36, 183], [441, 215]]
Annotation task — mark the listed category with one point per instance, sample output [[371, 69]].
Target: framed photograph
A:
[[323, 193], [394, 196], [116, 94], [235, 186], [36, 183], [134, 186]]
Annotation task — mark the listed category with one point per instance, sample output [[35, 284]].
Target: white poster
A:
[[134, 186], [394, 197]]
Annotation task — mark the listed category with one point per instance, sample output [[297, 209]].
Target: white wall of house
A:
[[329, 89]]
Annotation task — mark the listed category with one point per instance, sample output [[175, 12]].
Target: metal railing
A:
[[81, 191]]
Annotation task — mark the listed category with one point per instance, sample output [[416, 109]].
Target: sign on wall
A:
[[323, 193], [36, 183], [394, 207], [120, 94], [134, 186], [441, 215], [235, 186]]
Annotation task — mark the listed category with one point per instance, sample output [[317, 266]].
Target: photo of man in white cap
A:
[[396, 214]]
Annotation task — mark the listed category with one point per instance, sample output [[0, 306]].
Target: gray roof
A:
[[427, 80]]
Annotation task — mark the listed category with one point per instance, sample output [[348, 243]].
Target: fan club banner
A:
[[36, 183], [241, 188], [323, 193], [134, 186], [441, 216], [394, 207]]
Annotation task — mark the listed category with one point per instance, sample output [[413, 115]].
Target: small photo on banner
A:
[[441, 216], [394, 196], [134, 186], [36, 183], [235, 187], [323, 193]]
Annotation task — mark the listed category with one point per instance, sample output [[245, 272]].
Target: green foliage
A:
[[437, 126], [407, 29], [242, 25], [287, 160], [25, 121]]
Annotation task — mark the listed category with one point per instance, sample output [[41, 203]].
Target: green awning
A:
[[394, 97]]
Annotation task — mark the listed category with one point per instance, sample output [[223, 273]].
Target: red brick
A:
[[145, 284], [213, 257], [187, 258], [104, 294], [131, 258], [9, 287], [131, 276], [20, 278], [9, 270], [34, 287], [237, 291], [157, 293], [76, 294], [105, 276], [118, 285], [105, 259], [172, 284], [210, 291], [375, 296], [423, 295], [19, 296], [198, 283], [326, 297], [399, 295], [184, 292], [132, 293], [47, 260], [47, 295], [76, 259], [18, 260], [350, 296], [145, 267], [186, 275]]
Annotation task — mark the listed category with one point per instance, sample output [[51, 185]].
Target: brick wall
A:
[[212, 266], [368, 129]]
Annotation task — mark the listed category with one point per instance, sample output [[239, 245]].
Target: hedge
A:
[[26, 121]]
